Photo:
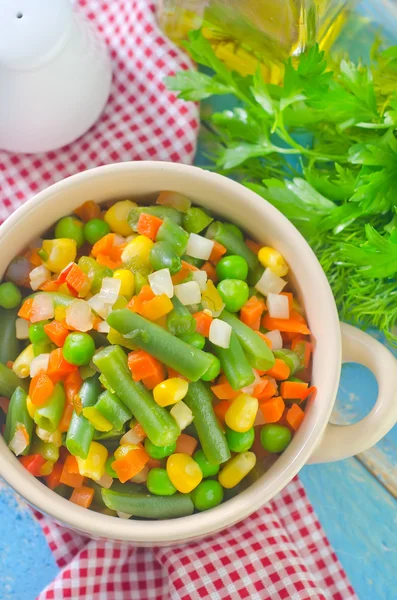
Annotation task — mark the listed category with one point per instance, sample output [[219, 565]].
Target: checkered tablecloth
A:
[[281, 551]]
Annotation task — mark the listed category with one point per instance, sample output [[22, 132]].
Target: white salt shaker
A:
[[55, 75]]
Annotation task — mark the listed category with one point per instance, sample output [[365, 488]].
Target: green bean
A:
[[148, 505], [113, 409], [257, 351], [190, 362], [235, 364], [100, 339], [156, 421], [47, 450], [290, 358], [179, 320], [233, 243], [9, 381], [81, 431], [49, 415], [9, 344], [196, 219], [18, 415], [157, 210], [163, 256], [58, 298], [173, 234], [110, 439], [199, 399]]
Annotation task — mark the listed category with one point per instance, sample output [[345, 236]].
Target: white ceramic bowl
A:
[[316, 439]]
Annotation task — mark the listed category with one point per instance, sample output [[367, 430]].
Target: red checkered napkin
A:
[[280, 552], [141, 121]]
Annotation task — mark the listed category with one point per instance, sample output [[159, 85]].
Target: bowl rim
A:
[[287, 465]]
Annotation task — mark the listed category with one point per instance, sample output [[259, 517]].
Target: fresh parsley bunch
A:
[[321, 148]]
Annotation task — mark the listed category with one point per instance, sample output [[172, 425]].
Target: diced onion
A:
[[123, 515], [220, 333], [259, 419], [182, 414], [79, 315], [188, 293], [141, 476], [201, 278], [275, 338], [110, 290], [199, 246], [103, 327], [22, 329], [42, 308], [39, 363], [118, 240], [99, 306], [249, 389], [174, 200], [20, 441], [278, 306], [131, 438], [55, 437], [106, 481], [270, 283], [161, 283], [38, 276], [18, 270]]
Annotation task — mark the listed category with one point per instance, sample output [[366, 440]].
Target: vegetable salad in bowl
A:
[[151, 358]]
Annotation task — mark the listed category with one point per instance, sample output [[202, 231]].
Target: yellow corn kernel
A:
[[60, 313], [94, 465], [116, 339], [240, 415], [124, 449], [138, 249], [157, 307], [170, 391], [47, 468], [272, 259], [97, 419], [57, 254], [182, 415], [121, 302], [117, 217], [184, 472], [236, 469], [127, 279], [31, 408], [211, 299], [21, 366]]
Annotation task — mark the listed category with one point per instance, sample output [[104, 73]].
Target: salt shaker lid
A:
[[31, 30]]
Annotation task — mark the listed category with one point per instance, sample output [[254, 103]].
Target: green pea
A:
[[208, 469], [159, 483], [234, 293], [79, 348], [207, 494], [232, 267], [240, 441], [195, 339], [213, 370], [37, 335], [70, 227], [95, 229], [234, 229], [275, 438], [158, 452], [10, 295]]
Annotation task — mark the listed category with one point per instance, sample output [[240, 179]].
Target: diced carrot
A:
[[136, 302], [295, 324], [259, 389], [58, 367], [295, 416], [210, 270], [4, 404], [89, 210], [186, 444], [10, 364], [142, 365], [106, 261], [64, 273], [82, 496], [138, 430], [104, 245], [156, 308], [224, 391], [280, 370], [96, 322], [180, 275], [153, 463], [70, 473], [304, 350], [130, 464], [268, 391], [49, 286], [77, 279], [290, 298], [40, 389], [251, 312], [217, 252], [253, 246], [221, 409], [272, 409], [151, 381], [148, 225], [162, 322], [188, 266], [203, 323], [294, 390], [25, 312], [72, 385], [32, 463], [33, 257], [54, 478], [173, 373], [57, 332], [265, 339], [66, 418]]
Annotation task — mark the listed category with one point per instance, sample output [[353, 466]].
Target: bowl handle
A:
[[342, 441]]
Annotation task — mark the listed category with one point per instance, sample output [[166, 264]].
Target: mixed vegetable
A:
[[151, 358]]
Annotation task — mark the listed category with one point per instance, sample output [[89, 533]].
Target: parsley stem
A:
[[283, 133]]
